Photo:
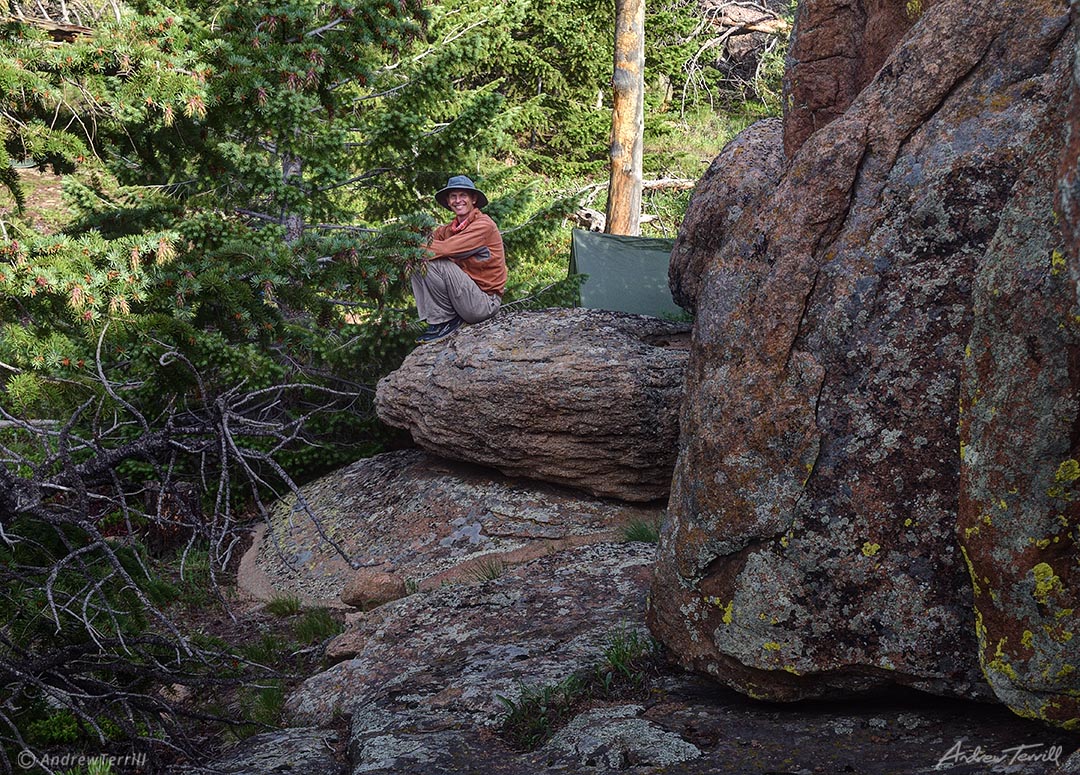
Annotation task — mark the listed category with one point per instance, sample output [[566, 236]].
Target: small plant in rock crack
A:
[[628, 659], [626, 664], [488, 569], [539, 710]]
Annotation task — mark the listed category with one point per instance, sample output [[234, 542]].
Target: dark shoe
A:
[[439, 330]]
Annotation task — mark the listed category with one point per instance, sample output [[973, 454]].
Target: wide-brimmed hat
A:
[[460, 183]]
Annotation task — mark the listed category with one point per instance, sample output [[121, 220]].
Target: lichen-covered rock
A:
[[583, 398], [1068, 195], [407, 521], [615, 739], [811, 541], [423, 689], [737, 182], [1020, 500], [287, 751], [836, 48]]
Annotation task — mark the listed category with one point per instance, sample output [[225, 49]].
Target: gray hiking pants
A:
[[445, 291]]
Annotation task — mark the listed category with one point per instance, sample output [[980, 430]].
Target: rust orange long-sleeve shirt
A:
[[477, 247]]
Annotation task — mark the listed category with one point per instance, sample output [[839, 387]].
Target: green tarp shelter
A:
[[625, 274]]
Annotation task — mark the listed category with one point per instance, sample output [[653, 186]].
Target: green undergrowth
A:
[[626, 666]]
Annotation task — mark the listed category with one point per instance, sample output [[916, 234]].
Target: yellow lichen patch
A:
[[870, 549], [963, 451], [726, 619], [1072, 725], [913, 9], [791, 669], [986, 519], [971, 531], [908, 522], [784, 541], [1046, 581], [771, 645], [1065, 671], [1028, 638], [980, 628], [967, 561], [1057, 262], [1002, 504], [999, 663], [1068, 471]]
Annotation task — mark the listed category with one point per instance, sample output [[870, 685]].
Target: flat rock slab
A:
[[444, 656], [308, 750], [407, 521], [583, 398]]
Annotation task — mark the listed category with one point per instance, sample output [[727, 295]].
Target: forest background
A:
[[208, 217]]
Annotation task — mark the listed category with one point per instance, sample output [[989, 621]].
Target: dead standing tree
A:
[[627, 119]]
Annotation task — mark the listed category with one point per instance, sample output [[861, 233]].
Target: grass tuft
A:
[[643, 530], [488, 569], [317, 625], [285, 605]]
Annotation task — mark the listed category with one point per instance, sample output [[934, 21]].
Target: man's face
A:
[[461, 202]]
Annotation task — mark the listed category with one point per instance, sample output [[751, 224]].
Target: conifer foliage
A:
[[252, 187]]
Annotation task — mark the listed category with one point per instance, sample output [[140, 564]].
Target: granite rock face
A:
[[1068, 195], [1020, 500], [382, 527], [301, 749], [836, 49], [734, 187], [423, 687], [583, 398], [811, 546], [1020, 435]]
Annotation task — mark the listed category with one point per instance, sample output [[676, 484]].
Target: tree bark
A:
[[292, 170], [627, 119]]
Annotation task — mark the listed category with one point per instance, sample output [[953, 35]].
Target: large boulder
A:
[[584, 398], [811, 545], [734, 187], [383, 527]]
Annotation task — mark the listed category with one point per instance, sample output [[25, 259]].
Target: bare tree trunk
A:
[[292, 169], [628, 119]]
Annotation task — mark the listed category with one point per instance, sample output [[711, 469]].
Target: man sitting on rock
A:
[[462, 280]]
